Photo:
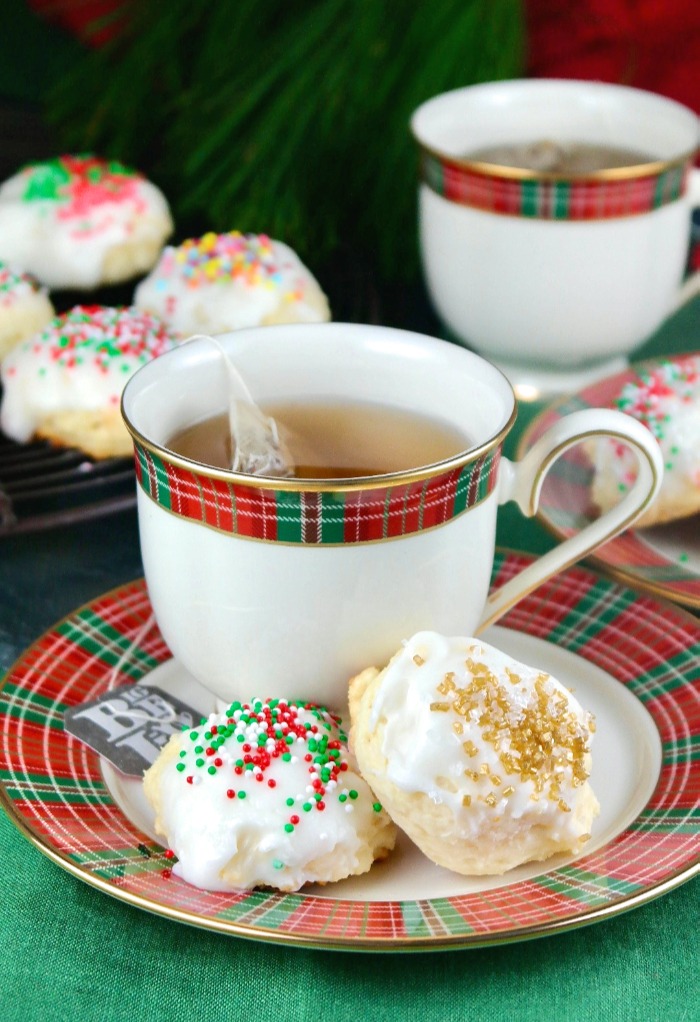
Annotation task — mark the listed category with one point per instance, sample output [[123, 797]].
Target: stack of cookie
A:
[[77, 224]]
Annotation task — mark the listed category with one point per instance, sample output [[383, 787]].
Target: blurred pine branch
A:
[[284, 116]]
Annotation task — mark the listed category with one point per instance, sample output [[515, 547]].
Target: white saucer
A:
[[626, 763]]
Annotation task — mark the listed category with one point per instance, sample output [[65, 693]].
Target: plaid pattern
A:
[[590, 199], [316, 518], [53, 786]]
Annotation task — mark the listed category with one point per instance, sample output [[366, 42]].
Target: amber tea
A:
[[551, 157], [332, 440]]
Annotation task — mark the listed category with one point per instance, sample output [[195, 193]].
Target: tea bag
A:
[[256, 445]]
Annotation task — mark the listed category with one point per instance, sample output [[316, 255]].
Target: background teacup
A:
[[287, 587], [555, 270]]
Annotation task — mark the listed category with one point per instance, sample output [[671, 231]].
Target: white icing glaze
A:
[[62, 233], [431, 748], [80, 362], [228, 281], [24, 307], [263, 834], [667, 400]]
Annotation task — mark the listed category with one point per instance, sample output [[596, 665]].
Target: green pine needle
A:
[[285, 116]]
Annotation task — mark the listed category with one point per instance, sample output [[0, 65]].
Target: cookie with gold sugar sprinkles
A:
[[81, 222], [266, 794], [223, 282], [482, 760], [64, 384]]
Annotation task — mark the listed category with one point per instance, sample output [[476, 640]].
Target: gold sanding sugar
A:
[[538, 742]]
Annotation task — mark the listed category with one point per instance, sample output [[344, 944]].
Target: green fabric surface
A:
[[70, 952]]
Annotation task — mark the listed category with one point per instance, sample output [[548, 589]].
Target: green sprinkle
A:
[[277, 864], [290, 801], [194, 736], [352, 793], [180, 766], [286, 756], [307, 807], [211, 770], [199, 748], [289, 827], [183, 753], [241, 794], [342, 798], [377, 806], [199, 762]]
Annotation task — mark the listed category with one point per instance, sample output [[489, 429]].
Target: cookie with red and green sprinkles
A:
[[79, 221], [266, 794], [665, 397], [25, 307], [65, 383], [222, 282]]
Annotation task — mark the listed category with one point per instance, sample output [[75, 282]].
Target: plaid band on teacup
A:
[[315, 518], [585, 199]]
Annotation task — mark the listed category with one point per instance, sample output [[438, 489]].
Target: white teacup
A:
[[550, 270], [288, 587]]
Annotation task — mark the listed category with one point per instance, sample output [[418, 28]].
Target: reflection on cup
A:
[[286, 587], [542, 244]]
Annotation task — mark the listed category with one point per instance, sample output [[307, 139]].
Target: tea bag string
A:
[[267, 454], [124, 658]]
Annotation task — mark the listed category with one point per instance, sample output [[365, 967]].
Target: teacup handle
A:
[[691, 285], [522, 481]]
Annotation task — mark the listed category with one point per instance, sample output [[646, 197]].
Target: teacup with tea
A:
[[554, 217], [286, 586]]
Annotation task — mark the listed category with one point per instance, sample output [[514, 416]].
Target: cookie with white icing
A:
[[81, 222], [481, 760], [65, 383], [666, 399], [222, 282], [25, 307], [265, 794]]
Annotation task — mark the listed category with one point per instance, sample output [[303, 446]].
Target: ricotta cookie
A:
[[24, 308], [65, 383], [222, 282], [266, 794], [82, 222], [666, 399], [481, 760]]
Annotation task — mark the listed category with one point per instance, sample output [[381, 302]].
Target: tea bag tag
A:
[[129, 725], [257, 446]]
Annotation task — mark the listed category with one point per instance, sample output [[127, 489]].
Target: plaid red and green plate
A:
[[566, 506], [53, 786]]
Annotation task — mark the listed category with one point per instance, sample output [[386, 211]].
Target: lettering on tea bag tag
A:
[[256, 444], [130, 725]]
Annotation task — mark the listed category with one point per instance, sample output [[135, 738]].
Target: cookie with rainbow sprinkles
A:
[[664, 397], [223, 282], [79, 221], [65, 383], [266, 794], [25, 307]]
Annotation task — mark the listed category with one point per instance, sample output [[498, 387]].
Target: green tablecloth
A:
[[72, 953]]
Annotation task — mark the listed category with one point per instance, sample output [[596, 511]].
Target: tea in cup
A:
[[288, 586], [554, 217]]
